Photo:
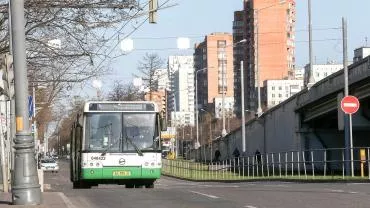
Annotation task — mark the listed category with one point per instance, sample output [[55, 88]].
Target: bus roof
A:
[[120, 106]]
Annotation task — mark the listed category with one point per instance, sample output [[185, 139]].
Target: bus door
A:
[[76, 141]]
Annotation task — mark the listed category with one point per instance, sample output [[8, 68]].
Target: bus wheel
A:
[[130, 185], [149, 185], [81, 185], [76, 184]]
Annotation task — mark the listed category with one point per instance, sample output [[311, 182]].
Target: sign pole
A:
[[347, 133], [351, 143], [349, 105]]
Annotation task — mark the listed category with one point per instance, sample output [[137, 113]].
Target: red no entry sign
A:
[[350, 104]]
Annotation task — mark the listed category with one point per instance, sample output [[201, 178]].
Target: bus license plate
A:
[[121, 173]]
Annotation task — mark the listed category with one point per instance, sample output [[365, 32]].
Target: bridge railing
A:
[[315, 164]]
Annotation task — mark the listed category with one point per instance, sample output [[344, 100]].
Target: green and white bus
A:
[[116, 142]]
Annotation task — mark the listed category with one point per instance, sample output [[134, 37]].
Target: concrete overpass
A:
[[311, 119]]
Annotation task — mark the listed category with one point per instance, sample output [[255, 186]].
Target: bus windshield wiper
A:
[[134, 145], [108, 148]]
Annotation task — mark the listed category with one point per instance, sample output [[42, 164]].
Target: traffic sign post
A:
[[350, 105]]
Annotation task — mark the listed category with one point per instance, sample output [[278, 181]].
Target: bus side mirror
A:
[[163, 124]]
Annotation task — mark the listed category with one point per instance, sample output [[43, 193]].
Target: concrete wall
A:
[[274, 131]]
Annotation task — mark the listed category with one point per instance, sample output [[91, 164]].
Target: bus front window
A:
[[103, 131], [140, 128]]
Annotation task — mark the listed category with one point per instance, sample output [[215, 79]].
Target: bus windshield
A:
[[118, 132]]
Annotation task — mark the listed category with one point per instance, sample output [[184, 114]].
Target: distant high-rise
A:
[[215, 56], [269, 31], [161, 78], [181, 95]]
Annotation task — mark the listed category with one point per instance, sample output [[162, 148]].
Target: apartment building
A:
[[320, 71], [269, 30], [213, 62], [181, 94], [276, 91]]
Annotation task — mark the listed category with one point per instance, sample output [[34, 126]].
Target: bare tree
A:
[[65, 124], [147, 68], [69, 42], [125, 92]]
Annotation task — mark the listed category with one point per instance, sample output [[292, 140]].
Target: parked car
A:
[[49, 165]]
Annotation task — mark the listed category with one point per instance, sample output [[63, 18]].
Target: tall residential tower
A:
[[214, 56], [269, 31]]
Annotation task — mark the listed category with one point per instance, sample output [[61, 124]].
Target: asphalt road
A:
[[170, 193]]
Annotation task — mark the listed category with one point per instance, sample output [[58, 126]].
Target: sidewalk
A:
[[49, 199]]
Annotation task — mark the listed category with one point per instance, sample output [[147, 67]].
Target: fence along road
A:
[[318, 164]]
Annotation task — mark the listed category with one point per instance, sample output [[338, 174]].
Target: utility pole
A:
[[243, 110], [311, 79], [347, 117], [8, 92], [25, 187], [11, 128], [259, 108], [153, 7], [4, 168], [223, 133]]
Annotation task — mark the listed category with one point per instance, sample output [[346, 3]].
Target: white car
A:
[[49, 165]]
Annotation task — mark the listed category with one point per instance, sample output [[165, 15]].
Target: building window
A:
[[280, 95], [272, 88], [280, 88], [272, 95], [221, 43]]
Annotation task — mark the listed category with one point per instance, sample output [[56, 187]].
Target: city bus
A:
[[116, 142]]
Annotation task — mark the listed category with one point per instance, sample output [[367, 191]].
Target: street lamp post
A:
[[223, 94], [242, 97], [176, 123], [224, 132], [25, 186], [197, 107]]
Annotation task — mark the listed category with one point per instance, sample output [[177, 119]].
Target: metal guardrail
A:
[[315, 164]]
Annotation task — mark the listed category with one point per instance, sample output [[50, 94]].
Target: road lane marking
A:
[[277, 185], [336, 190], [66, 200], [353, 192], [220, 186], [207, 195], [250, 206]]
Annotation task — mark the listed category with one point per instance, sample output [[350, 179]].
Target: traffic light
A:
[[153, 7], [8, 76]]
